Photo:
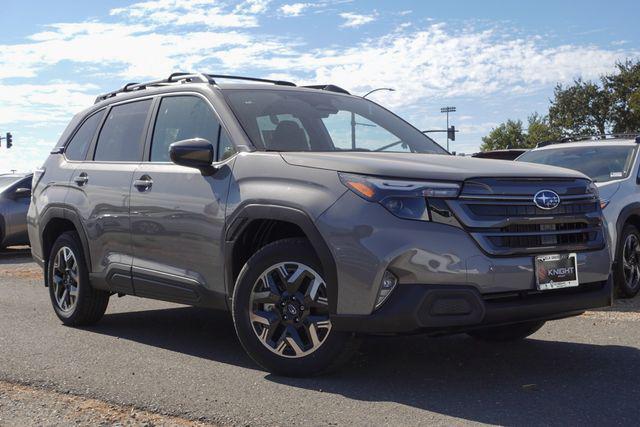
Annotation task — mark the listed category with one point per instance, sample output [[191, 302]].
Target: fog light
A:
[[387, 285]]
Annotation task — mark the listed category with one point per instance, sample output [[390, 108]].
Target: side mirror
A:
[[22, 192], [194, 153]]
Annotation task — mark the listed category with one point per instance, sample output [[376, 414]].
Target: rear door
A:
[[177, 215], [100, 190]]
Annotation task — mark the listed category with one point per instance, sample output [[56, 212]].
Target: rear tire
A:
[[515, 332], [627, 269], [74, 301], [281, 312]]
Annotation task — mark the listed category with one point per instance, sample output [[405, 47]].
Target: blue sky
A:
[[493, 60]]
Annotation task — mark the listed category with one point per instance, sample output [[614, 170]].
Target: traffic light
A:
[[9, 139], [451, 133]]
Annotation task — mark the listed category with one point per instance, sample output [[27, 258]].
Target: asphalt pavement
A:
[[186, 362]]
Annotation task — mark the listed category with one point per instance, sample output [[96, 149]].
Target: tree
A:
[[624, 90], [540, 130], [580, 109], [583, 108], [507, 135], [512, 135]]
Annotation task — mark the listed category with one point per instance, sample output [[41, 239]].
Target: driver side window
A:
[[180, 118], [350, 131]]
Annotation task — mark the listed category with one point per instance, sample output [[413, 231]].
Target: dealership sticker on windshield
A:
[[556, 271]]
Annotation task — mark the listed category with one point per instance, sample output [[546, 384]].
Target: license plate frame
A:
[[556, 271]]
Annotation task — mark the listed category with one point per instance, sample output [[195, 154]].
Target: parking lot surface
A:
[[186, 362]]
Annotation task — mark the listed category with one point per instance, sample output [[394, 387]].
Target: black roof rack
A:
[[179, 78], [594, 137], [174, 78], [330, 88], [252, 79]]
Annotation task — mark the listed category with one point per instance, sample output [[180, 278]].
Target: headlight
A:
[[404, 199]]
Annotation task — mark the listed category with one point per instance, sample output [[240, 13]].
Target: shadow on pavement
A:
[[15, 255], [531, 382], [193, 331]]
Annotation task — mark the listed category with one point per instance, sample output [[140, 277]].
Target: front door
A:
[[177, 215]]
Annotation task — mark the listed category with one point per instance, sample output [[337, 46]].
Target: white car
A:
[[612, 163]]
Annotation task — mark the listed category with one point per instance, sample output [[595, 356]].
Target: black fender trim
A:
[[627, 212], [67, 213], [246, 214]]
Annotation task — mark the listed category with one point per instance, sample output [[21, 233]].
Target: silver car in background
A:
[[613, 165], [15, 196]]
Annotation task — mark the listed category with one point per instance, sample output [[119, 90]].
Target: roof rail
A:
[[594, 137], [330, 88], [252, 79], [174, 78], [179, 78]]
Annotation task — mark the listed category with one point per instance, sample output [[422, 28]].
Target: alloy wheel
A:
[[631, 261], [65, 279], [289, 310]]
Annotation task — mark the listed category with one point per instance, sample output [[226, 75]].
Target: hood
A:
[[424, 166], [608, 189]]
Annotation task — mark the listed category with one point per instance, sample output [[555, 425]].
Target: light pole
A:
[[390, 89], [353, 115], [448, 110]]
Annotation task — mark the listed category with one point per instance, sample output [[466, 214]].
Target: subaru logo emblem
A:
[[546, 199]]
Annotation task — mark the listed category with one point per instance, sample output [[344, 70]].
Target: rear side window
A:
[[179, 118], [120, 139], [77, 147]]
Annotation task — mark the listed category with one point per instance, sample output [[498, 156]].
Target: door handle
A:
[[81, 179], [144, 183]]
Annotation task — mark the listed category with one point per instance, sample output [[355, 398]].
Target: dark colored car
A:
[[510, 154], [15, 195]]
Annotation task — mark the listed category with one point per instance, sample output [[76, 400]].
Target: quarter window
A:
[[77, 147], [226, 148], [120, 139], [180, 118]]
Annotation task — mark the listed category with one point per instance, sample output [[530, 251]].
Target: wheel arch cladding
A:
[[256, 225], [55, 221], [629, 215]]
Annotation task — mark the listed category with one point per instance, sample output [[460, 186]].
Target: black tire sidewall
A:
[[72, 241], [622, 289], [289, 250]]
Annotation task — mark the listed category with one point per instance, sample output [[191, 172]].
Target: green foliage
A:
[[512, 135], [624, 90], [611, 105], [540, 130], [580, 109]]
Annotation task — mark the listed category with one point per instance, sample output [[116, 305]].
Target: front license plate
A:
[[556, 271]]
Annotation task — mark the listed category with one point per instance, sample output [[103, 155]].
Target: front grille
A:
[[542, 235], [505, 221], [529, 209]]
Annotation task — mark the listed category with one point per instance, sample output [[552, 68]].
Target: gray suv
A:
[[312, 215]]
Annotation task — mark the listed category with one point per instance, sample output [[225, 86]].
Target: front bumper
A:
[[450, 309], [365, 240]]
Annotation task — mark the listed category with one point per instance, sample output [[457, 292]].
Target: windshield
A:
[[601, 164], [7, 181], [280, 120]]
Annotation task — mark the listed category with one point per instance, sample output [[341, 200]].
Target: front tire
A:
[[627, 270], [281, 312], [74, 301], [515, 332]]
